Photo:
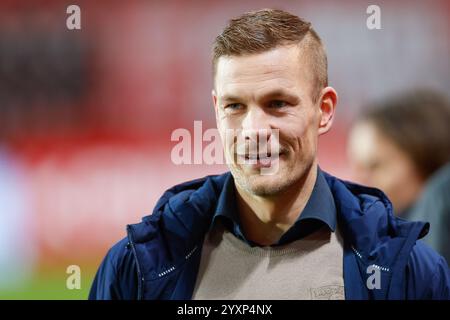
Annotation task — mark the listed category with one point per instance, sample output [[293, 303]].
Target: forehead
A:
[[362, 140], [279, 67], [367, 144]]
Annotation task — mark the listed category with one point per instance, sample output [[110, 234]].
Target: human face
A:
[[376, 161], [270, 91]]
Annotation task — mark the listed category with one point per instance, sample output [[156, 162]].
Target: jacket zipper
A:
[[139, 273]]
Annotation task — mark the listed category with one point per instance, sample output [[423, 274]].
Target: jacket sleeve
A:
[[440, 283], [428, 275], [116, 278]]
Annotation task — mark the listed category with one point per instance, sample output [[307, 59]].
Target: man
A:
[[401, 145], [298, 233]]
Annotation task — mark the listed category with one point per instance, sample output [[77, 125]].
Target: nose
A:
[[256, 126], [256, 130]]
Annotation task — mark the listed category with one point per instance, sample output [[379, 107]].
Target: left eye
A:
[[234, 106], [276, 104]]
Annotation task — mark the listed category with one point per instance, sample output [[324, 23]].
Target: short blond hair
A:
[[266, 29]]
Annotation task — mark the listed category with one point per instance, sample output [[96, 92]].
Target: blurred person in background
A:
[[402, 146]]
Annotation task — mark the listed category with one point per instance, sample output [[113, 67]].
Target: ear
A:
[[215, 103], [214, 97], [327, 104]]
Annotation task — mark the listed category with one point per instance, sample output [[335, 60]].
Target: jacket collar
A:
[[320, 207]]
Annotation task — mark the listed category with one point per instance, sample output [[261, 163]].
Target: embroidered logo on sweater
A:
[[327, 293]]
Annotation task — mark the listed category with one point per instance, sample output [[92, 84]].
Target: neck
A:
[[265, 219]]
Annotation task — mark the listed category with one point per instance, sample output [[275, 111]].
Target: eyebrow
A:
[[229, 98], [275, 94], [279, 93]]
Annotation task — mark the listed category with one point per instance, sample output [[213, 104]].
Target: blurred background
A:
[[86, 115]]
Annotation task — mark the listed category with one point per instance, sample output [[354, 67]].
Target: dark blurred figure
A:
[[402, 146], [434, 206]]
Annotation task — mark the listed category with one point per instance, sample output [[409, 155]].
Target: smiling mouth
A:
[[259, 157], [256, 156]]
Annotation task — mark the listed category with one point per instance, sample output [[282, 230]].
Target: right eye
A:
[[234, 106]]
